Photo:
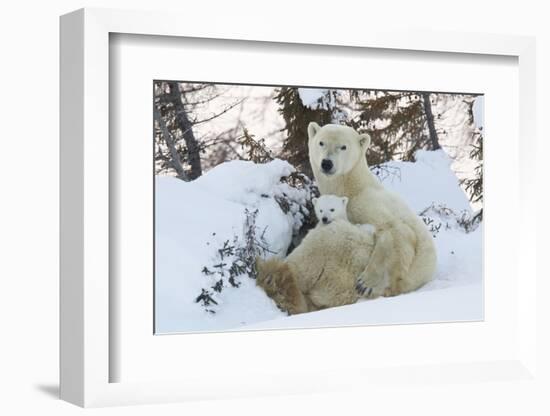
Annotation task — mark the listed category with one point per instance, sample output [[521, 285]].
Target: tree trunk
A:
[[175, 157], [183, 122], [430, 118]]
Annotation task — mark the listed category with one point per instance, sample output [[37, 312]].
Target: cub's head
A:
[[334, 149], [330, 207]]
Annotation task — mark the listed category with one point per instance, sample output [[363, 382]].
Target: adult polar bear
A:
[[404, 257]]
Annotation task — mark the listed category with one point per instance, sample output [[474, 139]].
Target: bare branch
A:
[[195, 122]]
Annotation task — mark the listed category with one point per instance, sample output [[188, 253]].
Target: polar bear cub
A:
[[322, 271], [329, 208]]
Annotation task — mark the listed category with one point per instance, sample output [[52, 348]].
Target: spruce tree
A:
[[399, 123], [297, 117], [474, 186]]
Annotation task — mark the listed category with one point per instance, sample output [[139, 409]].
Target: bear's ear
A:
[[314, 202], [345, 200], [312, 129], [364, 141]]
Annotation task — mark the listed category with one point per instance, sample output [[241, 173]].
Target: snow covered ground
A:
[[194, 219]]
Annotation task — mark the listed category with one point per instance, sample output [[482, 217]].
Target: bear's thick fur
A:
[[321, 272], [404, 256]]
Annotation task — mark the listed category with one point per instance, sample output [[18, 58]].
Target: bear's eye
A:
[[332, 210], [343, 148], [320, 210], [321, 144]]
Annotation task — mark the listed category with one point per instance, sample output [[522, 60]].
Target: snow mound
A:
[[242, 181], [431, 189], [427, 181], [193, 220]]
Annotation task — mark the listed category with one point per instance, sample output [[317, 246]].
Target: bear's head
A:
[[335, 149], [330, 207]]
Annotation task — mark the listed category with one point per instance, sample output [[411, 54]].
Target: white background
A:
[[29, 207]]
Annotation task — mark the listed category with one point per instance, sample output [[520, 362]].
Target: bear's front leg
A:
[[373, 282]]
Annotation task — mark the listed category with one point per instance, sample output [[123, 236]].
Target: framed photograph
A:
[[256, 208]]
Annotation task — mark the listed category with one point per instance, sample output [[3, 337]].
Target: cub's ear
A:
[[345, 200], [364, 141], [314, 202], [312, 129]]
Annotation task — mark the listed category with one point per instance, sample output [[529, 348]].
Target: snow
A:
[[477, 109], [457, 132], [189, 213], [192, 220], [444, 305], [311, 97], [429, 180], [253, 179]]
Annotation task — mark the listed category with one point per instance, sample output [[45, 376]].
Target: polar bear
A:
[[321, 272], [404, 256]]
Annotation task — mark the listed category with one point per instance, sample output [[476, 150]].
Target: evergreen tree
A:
[[254, 150], [399, 123], [474, 186], [297, 117]]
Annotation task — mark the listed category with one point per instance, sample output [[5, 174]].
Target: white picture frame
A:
[[85, 353]]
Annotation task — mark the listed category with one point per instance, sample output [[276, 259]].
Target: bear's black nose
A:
[[326, 165], [325, 220]]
